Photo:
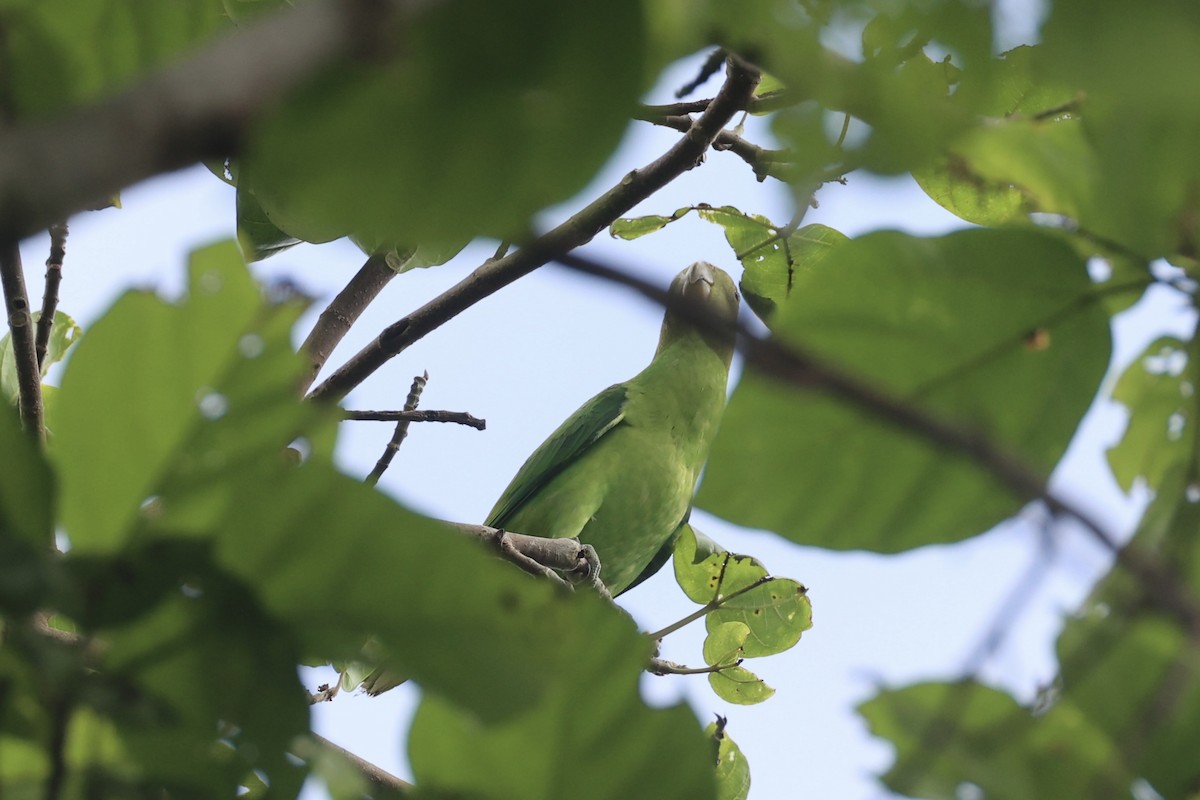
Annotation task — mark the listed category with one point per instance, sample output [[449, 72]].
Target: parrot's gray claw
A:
[[589, 569]]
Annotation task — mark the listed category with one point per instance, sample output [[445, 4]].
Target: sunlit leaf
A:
[[733, 771]]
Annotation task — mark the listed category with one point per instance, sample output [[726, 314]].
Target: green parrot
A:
[[619, 474]]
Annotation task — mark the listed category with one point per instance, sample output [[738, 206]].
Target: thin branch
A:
[[20, 323], [379, 778], [759, 104], [788, 364], [198, 108], [711, 64], [765, 163], [54, 264], [578, 230], [458, 417], [342, 312], [401, 430]]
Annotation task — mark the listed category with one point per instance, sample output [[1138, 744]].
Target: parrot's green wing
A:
[[581, 431]]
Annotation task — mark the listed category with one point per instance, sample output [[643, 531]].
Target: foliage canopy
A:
[[939, 379]]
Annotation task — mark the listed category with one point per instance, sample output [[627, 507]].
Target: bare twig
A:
[[54, 264], [711, 64], [20, 324], [801, 369], [342, 312], [198, 108], [401, 430], [578, 230], [457, 417]]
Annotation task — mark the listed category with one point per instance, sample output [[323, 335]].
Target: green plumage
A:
[[619, 473]]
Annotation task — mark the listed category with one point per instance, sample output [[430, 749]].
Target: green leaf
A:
[[257, 234], [769, 262], [733, 771], [995, 332], [1158, 391], [26, 523], [404, 257], [515, 100], [699, 564], [1125, 708], [1015, 91], [602, 744], [630, 228], [64, 332], [774, 611], [981, 736], [165, 369], [733, 683], [66, 52]]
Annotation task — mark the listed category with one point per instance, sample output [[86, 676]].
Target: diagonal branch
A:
[[341, 313], [578, 230]]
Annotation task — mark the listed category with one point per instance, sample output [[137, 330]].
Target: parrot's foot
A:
[[505, 541], [588, 569]]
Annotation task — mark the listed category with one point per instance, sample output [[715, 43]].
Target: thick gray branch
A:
[[199, 108]]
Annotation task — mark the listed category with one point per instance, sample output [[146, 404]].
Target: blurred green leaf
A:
[[1125, 708], [60, 53], [1158, 391], [996, 332], [257, 235], [601, 743], [522, 101], [159, 374]]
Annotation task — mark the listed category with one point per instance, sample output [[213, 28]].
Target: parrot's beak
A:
[[698, 281]]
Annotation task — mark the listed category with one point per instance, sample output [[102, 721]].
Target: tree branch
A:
[[401, 430], [791, 365], [342, 312], [765, 163], [411, 415], [20, 324], [199, 108], [380, 779], [578, 230], [54, 264]]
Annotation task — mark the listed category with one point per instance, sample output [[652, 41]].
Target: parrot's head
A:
[[709, 300]]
